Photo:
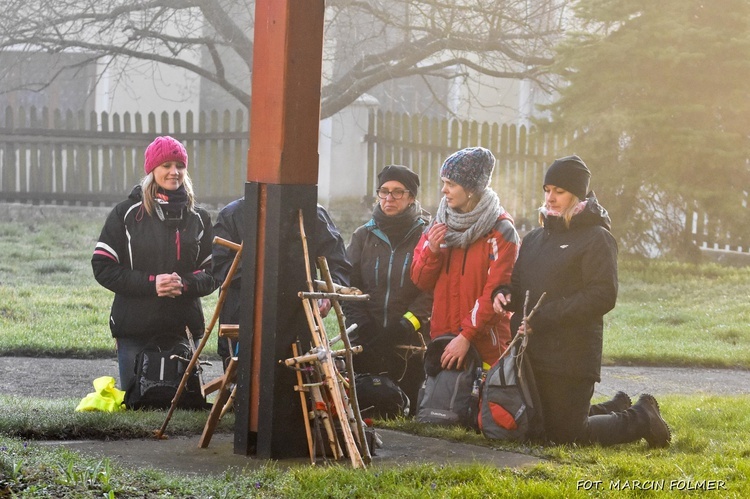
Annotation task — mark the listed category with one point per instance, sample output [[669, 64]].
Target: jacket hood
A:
[[136, 194]]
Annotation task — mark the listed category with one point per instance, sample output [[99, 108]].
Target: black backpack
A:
[[509, 406], [380, 397], [449, 396], [159, 368]]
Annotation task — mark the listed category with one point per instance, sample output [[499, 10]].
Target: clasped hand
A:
[[168, 285]]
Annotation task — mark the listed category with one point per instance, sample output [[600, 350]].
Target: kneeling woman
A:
[[464, 255], [154, 252], [381, 252], [573, 258]]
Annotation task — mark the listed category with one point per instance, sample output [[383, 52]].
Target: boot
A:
[[618, 403], [657, 432]]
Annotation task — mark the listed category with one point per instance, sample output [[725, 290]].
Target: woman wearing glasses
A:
[[381, 253], [467, 252]]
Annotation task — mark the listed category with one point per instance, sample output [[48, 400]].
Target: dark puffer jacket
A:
[[382, 271], [133, 249], [577, 267], [230, 225]]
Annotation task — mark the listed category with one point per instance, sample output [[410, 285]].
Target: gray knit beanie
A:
[[471, 168]]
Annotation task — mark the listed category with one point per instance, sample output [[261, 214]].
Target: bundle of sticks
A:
[[329, 397]]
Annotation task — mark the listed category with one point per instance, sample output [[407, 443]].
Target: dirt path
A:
[[54, 378]]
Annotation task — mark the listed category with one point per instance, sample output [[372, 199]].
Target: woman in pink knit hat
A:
[[154, 253]]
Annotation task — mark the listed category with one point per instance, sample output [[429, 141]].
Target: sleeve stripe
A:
[[206, 261], [106, 250]]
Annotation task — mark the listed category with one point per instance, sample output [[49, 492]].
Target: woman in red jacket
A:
[[466, 253]]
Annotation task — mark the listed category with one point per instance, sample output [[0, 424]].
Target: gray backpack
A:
[[449, 397], [509, 404]]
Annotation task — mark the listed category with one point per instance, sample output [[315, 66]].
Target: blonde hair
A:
[[566, 214], [149, 187]]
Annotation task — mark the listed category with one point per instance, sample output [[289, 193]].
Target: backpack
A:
[[449, 396], [380, 397], [509, 406], [159, 368]]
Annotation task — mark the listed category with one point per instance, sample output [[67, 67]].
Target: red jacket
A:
[[462, 281]]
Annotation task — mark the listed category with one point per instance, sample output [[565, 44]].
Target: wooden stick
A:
[[230, 401], [227, 243], [315, 323], [329, 368], [306, 413], [196, 355], [523, 337], [323, 415], [216, 410], [526, 317], [533, 310], [353, 401], [335, 390], [303, 235], [347, 332], [318, 295], [316, 356], [337, 288]]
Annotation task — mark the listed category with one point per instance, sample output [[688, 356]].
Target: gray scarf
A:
[[465, 228]]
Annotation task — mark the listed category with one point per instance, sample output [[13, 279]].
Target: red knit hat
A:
[[162, 150]]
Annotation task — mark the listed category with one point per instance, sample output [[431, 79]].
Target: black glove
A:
[[406, 329]]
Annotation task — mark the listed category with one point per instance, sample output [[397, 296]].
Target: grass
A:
[[711, 448], [50, 303], [667, 314], [675, 314]]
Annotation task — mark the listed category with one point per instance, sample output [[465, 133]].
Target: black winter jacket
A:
[[230, 225], [382, 271], [577, 267], [133, 248]]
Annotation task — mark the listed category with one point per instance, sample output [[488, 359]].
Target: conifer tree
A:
[[656, 99]]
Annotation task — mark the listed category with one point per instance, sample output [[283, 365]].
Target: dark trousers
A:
[[570, 418]]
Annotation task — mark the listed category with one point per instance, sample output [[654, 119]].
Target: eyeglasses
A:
[[395, 193]]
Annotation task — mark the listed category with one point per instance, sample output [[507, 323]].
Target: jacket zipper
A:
[[390, 268], [178, 243]]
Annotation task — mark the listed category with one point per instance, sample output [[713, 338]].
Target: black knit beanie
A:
[[400, 174], [570, 173]]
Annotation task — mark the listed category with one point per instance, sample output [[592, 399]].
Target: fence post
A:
[[342, 172]]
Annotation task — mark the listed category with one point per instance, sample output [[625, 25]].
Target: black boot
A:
[[655, 429], [618, 403]]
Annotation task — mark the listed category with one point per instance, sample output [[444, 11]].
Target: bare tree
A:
[[368, 42]]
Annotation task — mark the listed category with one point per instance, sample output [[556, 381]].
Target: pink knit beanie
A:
[[164, 149]]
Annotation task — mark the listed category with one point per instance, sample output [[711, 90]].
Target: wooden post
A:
[[282, 175]]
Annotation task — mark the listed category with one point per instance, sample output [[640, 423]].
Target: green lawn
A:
[[711, 448]]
